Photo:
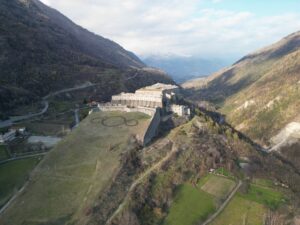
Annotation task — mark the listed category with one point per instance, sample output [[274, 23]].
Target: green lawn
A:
[[263, 195], [250, 208], [190, 206], [13, 175], [3, 153], [241, 211]]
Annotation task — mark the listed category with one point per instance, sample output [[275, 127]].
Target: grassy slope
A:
[[250, 208], [71, 176], [13, 176], [190, 206], [218, 186], [263, 195], [3, 153], [239, 210]]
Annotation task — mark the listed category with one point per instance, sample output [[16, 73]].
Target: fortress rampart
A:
[[151, 130]]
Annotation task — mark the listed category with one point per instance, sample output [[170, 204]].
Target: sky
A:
[[223, 29]]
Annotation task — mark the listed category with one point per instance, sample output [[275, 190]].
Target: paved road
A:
[[214, 216], [13, 119], [8, 123]]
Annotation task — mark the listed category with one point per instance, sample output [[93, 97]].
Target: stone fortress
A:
[[157, 101]]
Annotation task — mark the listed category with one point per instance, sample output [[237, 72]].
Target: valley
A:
[[92, 135]]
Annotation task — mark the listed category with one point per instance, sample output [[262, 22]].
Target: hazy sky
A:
[[207, 28]]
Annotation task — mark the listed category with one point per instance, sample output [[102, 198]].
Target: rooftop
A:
[[159, 87]]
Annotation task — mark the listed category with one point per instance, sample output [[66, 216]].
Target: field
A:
[[13, 175], [191, 205], [3, 153], [241, 211], [263, 195], [250, 208], [218, 186], [75, 172]]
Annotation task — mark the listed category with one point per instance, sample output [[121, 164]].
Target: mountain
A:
[[183, 68], [43, 51], [260, 94], [99, 175]]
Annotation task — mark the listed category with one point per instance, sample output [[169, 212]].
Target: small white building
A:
[[8, 136], [180, 110]]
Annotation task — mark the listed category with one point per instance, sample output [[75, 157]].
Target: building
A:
[[180, 110], [8, 136], [157, 95], [155, 100]]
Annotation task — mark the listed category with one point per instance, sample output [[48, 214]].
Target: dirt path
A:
[[139, 180], [216, 214]]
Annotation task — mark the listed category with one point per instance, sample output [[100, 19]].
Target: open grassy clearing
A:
[[75, 172], [3, 153], [250, 208], [190, 206], [241, 211], [263, 195], [13, 175], [218, 186]]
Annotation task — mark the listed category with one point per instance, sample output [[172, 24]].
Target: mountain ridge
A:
[[43, 51]]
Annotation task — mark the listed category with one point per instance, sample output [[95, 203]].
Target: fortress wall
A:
[[124, 108], [152, 128]]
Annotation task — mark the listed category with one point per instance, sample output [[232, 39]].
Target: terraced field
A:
[[241, 211], [75, 171], [218, 186], [194, 204], [190, 206], [250, 208]]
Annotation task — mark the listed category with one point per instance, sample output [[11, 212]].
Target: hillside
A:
[[259, 94], [43, 51], [99, 175]]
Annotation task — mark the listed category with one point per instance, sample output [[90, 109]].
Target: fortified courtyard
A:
[[158, 101]]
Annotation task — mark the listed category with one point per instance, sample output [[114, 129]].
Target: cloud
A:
[[175, 26]]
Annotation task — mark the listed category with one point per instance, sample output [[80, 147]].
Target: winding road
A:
[[13, 119]]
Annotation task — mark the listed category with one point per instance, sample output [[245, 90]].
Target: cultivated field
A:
[[3, 153], [241, 211], [250, 208], [76, 170], [13, 175], [194, 204], [218, 186], [190, 206]]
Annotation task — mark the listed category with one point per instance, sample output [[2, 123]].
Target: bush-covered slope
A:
[[260, 94]]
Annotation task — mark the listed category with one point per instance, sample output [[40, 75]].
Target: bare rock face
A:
[[286, 137]]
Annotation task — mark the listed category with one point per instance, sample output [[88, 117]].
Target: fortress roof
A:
[[159, 87]]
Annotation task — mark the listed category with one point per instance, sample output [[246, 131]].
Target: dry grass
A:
[[73, 174], [218, 186]]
